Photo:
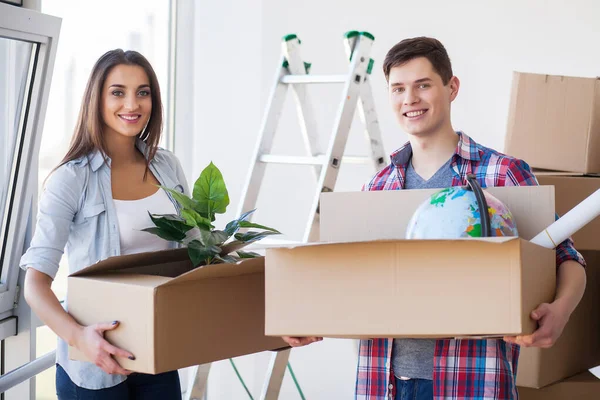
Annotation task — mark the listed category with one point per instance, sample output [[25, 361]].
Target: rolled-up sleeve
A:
[[58, 205]]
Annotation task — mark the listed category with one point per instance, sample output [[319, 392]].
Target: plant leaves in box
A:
[[200, 254], [193, 227], [171, 225], [194, 218], [213, 238], [167, 234]]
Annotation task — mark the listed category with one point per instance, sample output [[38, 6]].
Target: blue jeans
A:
[[163, 386], [414, 389]]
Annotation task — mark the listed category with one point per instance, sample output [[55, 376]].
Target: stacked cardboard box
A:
[[584, 386], [554, 122], [554, 125], [578, 348]]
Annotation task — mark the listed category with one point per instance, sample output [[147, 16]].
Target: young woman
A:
[[95, 203]]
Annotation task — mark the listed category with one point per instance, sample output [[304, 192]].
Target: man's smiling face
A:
[[419, 97]]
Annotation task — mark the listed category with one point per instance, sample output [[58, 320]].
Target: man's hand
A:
[[300, 341], [552, 319]]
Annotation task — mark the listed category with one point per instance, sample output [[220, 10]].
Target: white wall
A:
[[237, 44]]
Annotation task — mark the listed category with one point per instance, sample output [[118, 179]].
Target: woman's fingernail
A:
[[132, 358], [115, 322]]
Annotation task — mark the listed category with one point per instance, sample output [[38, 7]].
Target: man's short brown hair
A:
[[430, 48]]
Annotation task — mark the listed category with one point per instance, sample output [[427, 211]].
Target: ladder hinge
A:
[[16, 299]]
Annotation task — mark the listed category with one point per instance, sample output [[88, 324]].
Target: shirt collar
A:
[[466, 149], [97, 157]]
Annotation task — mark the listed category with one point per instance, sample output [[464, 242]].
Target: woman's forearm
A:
[[43, 302]]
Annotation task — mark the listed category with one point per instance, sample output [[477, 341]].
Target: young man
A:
[[421, 90]]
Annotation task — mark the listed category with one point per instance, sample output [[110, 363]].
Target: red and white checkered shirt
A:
[[462, 369]]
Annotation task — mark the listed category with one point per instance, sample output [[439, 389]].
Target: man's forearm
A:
[[570, 286]]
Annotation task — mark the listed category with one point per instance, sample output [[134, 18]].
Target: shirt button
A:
[[391, 386]]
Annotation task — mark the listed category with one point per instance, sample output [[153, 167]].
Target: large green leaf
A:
[[249, 237], [213, 238], [210, 192], [171, 224], [194, 218], [232, 227], [248, 224], [200, 254], [167, 234]]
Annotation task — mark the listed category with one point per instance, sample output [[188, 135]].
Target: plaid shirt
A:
[[462, 369]]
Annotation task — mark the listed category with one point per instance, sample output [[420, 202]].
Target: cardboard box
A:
[[171, 314], [554, 122], [585, 386], [578, 348], [570, 191], [442, 288]]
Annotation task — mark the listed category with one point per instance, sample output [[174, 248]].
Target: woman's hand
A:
[[300, 341], [90, 341]]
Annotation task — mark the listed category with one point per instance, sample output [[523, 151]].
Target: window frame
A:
[[43, 30]]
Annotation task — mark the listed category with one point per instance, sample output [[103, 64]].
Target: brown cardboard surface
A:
[[172, 315], [554, 122], [445, 288], [584, 386], [571, 190], [440, 285], [352, 216], [578, 348]]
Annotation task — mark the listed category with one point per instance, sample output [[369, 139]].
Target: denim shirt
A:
[[76, 210]]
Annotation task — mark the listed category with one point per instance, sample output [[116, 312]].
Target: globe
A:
[[454, 212]]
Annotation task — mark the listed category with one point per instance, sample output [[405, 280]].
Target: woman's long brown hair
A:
[[88, 136]]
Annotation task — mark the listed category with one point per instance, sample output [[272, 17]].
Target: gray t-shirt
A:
[[413, 358]]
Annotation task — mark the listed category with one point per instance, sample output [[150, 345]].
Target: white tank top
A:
[[133, 217]]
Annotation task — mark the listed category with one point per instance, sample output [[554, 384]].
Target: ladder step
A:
[[317, 160], [303, 79]]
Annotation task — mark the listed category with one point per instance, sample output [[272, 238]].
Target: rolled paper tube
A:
[[579, 216]]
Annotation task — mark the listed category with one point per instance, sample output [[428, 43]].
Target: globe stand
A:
[[473, 185]]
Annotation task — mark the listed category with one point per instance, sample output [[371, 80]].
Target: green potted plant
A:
[[194, 228]]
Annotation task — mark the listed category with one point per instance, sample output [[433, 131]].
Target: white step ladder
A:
[[293, 71]]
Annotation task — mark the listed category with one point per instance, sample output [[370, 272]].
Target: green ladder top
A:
[[347, 35]]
